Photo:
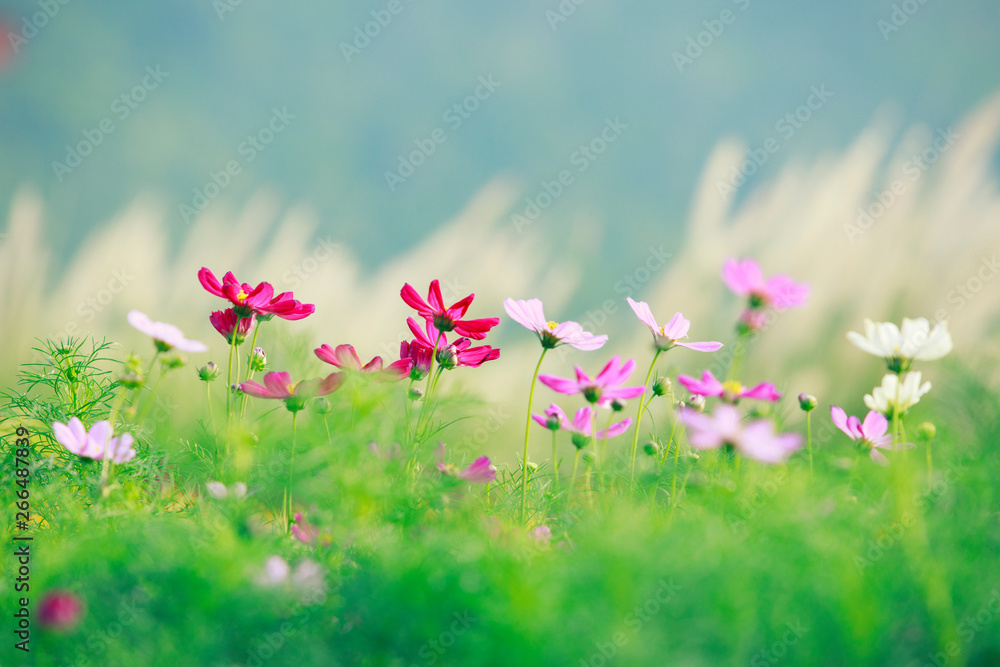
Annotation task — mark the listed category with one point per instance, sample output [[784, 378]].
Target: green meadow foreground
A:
[[344, 517]]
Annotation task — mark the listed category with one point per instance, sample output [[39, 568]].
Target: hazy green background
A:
[[228, 69]]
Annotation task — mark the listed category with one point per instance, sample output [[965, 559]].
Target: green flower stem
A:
[[638, 417], [291, 471], [809, 440], [572, 479], [250, 371], [527, 432], [555, 465]]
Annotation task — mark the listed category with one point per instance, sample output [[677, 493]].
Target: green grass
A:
[[762, 565]]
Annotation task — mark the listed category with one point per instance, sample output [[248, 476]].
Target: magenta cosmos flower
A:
[[346, 358], [724, 428], [260, 301], [280, 386], [555, 419], [671, 333], [730, 391], [745, 279], [872, 434], [60, 610], [450, 318], [601, 390], [97, 443], [304, 531], [449, 355], [479, 471], [419, 357], [530, 315], [165, 336], [230, 326]]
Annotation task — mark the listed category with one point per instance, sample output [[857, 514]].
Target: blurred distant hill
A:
[[360, 84]]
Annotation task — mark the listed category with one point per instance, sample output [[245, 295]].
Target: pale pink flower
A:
[[582, 423], [872, 434], [529, 314], [165, 336], [730, 391], [671, 333], [97, 443], [724, 428], [745, 279], [479, 471], [601, 390]]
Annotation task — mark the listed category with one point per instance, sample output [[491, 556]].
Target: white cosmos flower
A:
[[900, 347], [894, 395], [165, 336]]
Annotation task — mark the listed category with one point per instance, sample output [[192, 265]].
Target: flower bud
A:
[[651, 448], [588, 458], [696, 401], [532, 466], [580, 441], [807, 402], [927, 431], [208, 372], [448, 357], [60, 610], [661, 386], [321, 405], [258, 360], [130, 379], [617, 405], [172, 361], [552, 422], [416, 393]]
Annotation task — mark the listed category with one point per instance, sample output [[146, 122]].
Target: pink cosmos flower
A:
[[260, 300], [479, 471], [542, 536], [730, 391], [871, 434], [603, 389], [529, 314], [419, 356], [447, 319], [280, 386], [287, 308], [345, 357], [304, 531], [450, 355], [60, 610], [97, 443], [230, 326], [723, 428], [582, 423], [165, 336], [745, 279], [669, 334]]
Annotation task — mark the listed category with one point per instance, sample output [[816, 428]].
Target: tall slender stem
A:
[[527, 432], [291, 471], [572, 479], [250, 371], [555, 466], [809, 440], [638, 417]]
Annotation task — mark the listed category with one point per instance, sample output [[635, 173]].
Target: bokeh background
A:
[[852, 145]]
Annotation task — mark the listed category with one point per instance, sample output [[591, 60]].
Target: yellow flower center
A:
[[553, 325], [732, 387], [241, 297], [291, 388]]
